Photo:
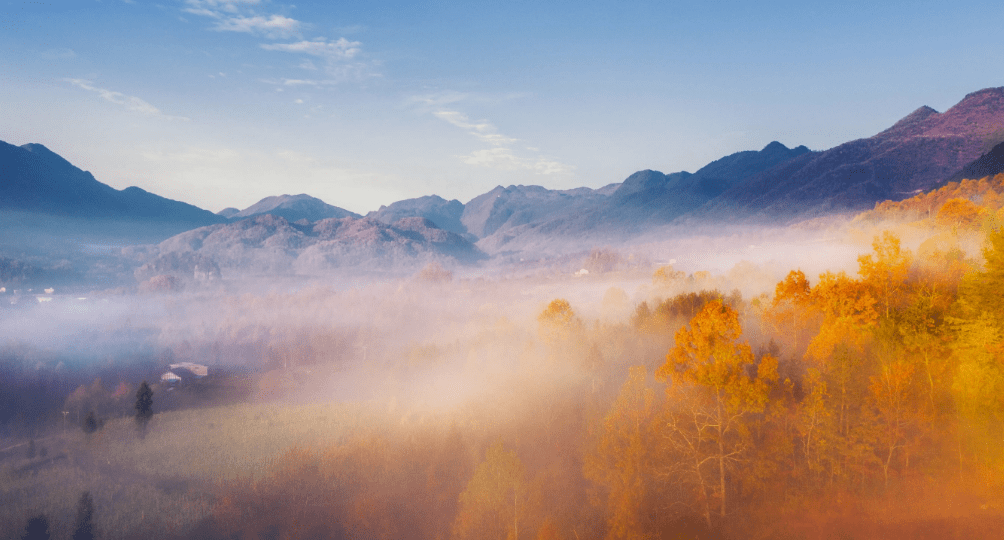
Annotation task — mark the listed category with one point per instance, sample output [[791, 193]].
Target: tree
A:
[[37, 528], [886, 271], [716, 386], [558, 321], [83, 528], [961, 213], [144, 408], [490, 505], [789, 311], [90, 424], [621, 458]]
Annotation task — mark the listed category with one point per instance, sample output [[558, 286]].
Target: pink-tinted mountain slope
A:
[[917, 153]]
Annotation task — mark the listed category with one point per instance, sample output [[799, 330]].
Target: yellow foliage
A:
[[665, 275], [621, 458], [960, 213]]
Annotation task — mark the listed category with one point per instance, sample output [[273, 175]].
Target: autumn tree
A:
[[885, 272], [492, 503], [960, 213], [716, 386], [666, 275], [890, 396], [790, 312], [839, 352], [978, 329], [980, 290], [558, 320], [558, 327], [621, 459]]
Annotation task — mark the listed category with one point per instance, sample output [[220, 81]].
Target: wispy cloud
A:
[[239, 16], [501, 154], [505, 159], [298, 82], [131, 103], [274, 26], [225, 6], [341, 49], [482, 130], [340, 57]]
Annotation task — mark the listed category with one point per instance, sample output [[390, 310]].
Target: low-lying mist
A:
[[501, 400]]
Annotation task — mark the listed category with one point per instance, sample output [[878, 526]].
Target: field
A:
[[168, 480]]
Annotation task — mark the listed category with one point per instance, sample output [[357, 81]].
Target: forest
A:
[[853, 404]]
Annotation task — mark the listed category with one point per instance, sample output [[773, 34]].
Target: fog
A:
[[364, 405]]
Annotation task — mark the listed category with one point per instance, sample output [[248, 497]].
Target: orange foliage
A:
[[960, 213], [986, 192]]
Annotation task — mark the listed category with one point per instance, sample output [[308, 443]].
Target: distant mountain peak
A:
[[774, 146], [294, 208], [910, 124], [982, 95], [44, 153]]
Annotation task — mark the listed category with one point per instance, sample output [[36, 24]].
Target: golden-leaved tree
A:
[[978, 388], [716, 387], [620, 460], [493, 503], [790, 313]]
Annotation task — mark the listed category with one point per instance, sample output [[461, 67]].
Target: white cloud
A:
[[498, 158], [131, 103], [500, 155], [227, 6], [331, 50], [505, 159], [548, 167], [482, 130], [338, 55], [234, 16], [275, 26], [297, 82]]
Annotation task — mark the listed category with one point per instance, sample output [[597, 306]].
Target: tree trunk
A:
[[721, 453]]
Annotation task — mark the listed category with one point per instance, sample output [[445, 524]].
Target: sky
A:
[[220, 103]]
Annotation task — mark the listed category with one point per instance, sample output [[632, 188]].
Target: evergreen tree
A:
[[144, 408], [37, 528], [83, 528], [90, 424]]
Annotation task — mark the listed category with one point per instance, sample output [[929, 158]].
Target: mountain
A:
[[989, 164], [37, 180], [444, 214], [649, 197], [917, 153], [293, 208], [506, 207], [646, 199], [269, 244]]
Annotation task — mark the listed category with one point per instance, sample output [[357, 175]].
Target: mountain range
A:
[[37, 180], [300, 233]]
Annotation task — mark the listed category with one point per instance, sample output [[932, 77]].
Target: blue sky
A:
[[223, 102]]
